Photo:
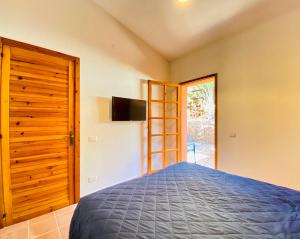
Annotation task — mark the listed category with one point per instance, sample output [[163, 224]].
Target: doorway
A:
[[199, 121]]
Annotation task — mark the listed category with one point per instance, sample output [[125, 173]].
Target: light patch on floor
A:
[[54, 225], [204, 155]]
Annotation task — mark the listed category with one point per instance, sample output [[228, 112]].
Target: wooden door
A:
[[164, 134], [37, 131]]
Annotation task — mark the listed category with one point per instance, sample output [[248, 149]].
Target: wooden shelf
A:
[[165, 101], [167, 134], [162, 151], [164, 84], [171, 102], [157, 101], [153, 118], [171, 150], [157, 152], [171, 118], [175, 118]]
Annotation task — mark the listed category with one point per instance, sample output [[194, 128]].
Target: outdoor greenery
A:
[[201, 101], [200, 113]]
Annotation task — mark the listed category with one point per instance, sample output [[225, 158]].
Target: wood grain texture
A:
[[39, 109], [71, 130], [5, 134], [1, 181], [77, 130], [36, 165], [14, 43]]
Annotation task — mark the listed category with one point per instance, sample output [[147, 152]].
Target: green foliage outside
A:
[[201, 101]]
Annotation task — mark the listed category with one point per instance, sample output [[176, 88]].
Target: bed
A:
[[188, 201]]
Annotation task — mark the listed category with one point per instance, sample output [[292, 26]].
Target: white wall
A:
[[258, 87], [113, 62], [259, 98]]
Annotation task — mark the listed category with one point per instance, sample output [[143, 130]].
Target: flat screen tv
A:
[[124, 109]]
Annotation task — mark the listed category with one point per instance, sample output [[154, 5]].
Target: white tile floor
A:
[[54, 225]]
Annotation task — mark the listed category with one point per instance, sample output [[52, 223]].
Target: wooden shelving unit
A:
[[164, 118]]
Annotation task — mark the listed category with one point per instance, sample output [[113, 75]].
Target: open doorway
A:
[[199, 121]]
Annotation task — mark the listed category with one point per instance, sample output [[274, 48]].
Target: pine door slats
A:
[[5, 76], [37, 118]]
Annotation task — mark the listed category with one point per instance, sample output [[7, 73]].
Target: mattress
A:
[[188, 201]]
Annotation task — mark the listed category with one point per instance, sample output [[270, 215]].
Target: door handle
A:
[[72, 137]]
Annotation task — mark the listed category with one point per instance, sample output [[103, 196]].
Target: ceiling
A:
[[174, 29]]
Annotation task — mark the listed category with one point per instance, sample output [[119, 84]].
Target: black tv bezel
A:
[[113, 116]]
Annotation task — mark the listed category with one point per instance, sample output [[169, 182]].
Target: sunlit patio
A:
[[201, 124], [203, 154]]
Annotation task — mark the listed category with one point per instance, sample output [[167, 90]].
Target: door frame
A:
[[183, 109], [76, 60]]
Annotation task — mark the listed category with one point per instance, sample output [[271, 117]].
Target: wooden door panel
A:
[[163, 124], [37, 174], [26, 196], [20, 87], [35, 69], [43, 148], [26, 81], [37, 58], [36, 121], [5, 76], [2, 211], [38, 68], [42, 208]]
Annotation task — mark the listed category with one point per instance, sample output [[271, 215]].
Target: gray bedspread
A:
[[188, 201]]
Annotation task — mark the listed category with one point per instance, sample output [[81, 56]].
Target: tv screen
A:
[[124, 109]]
